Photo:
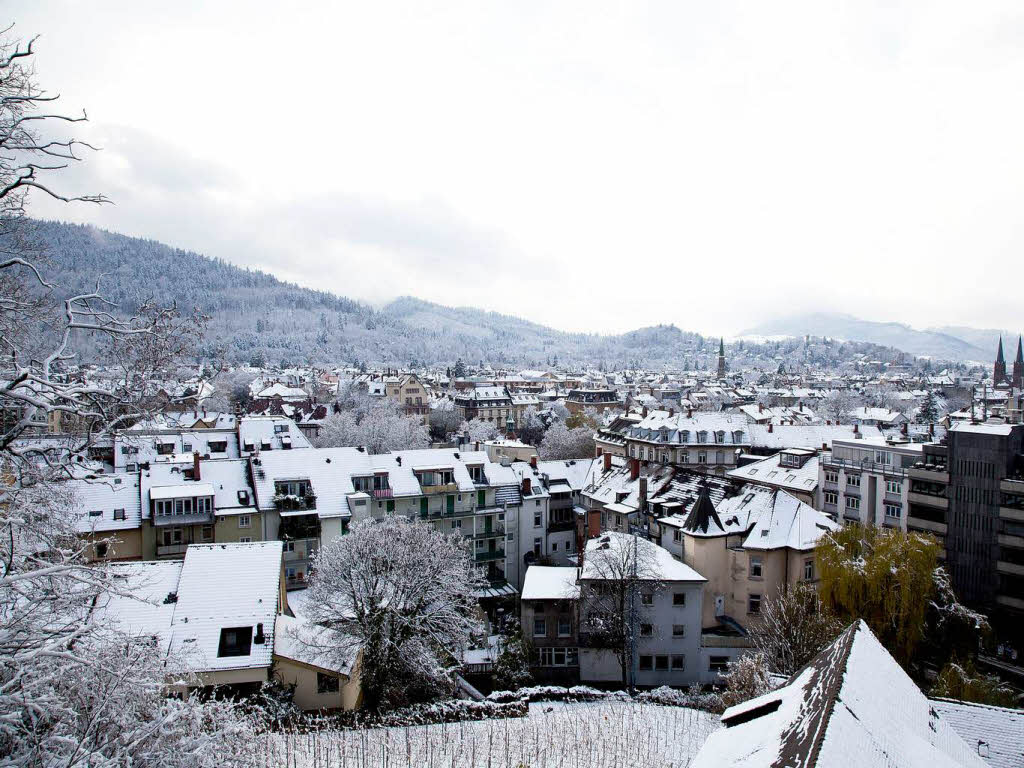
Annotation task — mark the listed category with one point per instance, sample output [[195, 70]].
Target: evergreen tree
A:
[[929, 412]]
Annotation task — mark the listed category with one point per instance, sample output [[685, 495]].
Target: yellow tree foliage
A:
[[881, 575]]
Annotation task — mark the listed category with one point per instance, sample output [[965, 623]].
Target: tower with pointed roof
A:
[[999, 369], [1018, 367], [721, 358]]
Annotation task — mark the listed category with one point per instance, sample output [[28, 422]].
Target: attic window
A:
[[752, 714], [235, 641], [95, 513], [119, 514]]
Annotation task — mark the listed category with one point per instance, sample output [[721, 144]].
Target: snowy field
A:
[[598, 735]]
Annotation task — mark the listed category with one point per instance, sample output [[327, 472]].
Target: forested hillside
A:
[[254, 317]]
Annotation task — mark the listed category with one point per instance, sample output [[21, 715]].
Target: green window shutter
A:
[[481, 498], [450, 503], [423, 506], [391, 505]]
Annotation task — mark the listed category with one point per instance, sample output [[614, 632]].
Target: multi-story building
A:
[[579, 400], [549, 616], [709, 442], [492, 404], [865, 481], [794, 470]]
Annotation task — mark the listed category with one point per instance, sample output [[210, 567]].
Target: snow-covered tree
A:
[[380, 428], [794, 626], [444, 420], [928, 413], [838, 404], [963, 682], [401, 595], [512, 667], [560, 442], [745, 678], [531, 426], [73, 691], [479, 430]]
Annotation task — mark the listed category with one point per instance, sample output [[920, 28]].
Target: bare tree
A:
[[838, 404], [401, 596], [793, 627], [617, 571], [73, 691]]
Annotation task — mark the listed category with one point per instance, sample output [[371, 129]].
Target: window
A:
[[95, 513], [646, 630], [808, 570], [718, 663], [678, 663], [852, 502], [646, 598], [756, 568], [131, 467], [678, 598], [853, 481], [646, 662], [554, 546], [536, 519], [677, 535], [564, 626], [558, 657], [894, 511], [186, 447], [279, 428], [244, 539], [754, 604], [702, 457], [540, 628], [206, 533], [661, 663], [204, 505], [536, 546], [327, 683], [893, 486], [456, 524], [831, 476], [831, 497], [101, 549], [119, 514], [289, 546], [678, 630], [245, 521], [235, 641]]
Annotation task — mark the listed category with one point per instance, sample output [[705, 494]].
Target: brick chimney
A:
[[607, 462], [644, 412], [526, 486], [760, 407], [533, 462], [643, 493], [771, 427], [634, 469], [195, 467], [689, 413], [671, 412]]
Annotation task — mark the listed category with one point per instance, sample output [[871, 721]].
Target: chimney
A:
[[644, 412], [476, 446], [643, 494], [856, 430], [671, 412], [903, 428], [195, 467], [634, 469], [771, 427], [931, 431], [526, 486], [760, 407], [533, 462], [607, 462]]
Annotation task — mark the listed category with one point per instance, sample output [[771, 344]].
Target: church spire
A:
[[999, 369], [999, 355], [1020, 352]]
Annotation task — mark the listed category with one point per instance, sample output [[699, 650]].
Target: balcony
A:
[[171, 550], [383, 493], [935, 474], [497, 531], [931, 526], [1011, 513], [290, 503], [191, 518], [827, 460], [487, 556], [928, 500], [560, 526], [432, 490], [1012, 485]]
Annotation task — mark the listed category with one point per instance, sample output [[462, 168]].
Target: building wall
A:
[[229, 528], [121, 545], [304, 678]]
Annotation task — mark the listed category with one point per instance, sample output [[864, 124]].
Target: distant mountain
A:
[[984, 338], [256, 317], [940, 343]]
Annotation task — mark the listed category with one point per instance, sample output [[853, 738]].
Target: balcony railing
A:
[[192, 518], [383, 493], [558, 526], [862, 466], [170, 550], [495, 532], [486, 556], [289, 503]]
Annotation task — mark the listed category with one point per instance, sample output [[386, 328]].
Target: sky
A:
[[591, 166]]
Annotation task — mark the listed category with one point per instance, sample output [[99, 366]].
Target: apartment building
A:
[[549, 617], [865, 481], [488, 403], [579, 400], [710, 442]]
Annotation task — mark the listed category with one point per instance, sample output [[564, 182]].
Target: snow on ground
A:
[[567, 735]]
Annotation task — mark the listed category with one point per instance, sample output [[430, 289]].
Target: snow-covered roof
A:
[[785, 521], [180, 491], [277, 432], [226, 586], [140, 606], [998, 732], [106, 502], [225, 478], [305, 642], [662, 564], [851, 706], [805, 435], [770, 471], [982, 429], [544, 582]]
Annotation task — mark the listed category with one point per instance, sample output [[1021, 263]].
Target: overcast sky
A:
[[590, 166]]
